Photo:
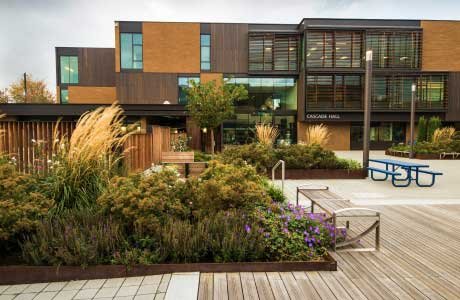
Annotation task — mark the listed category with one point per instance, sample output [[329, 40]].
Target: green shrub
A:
[[78, 238], [22, 204], [275, 193], [202, 157], [223, 187], [143, 203], [433, 124], [422, 130], [262, 157]]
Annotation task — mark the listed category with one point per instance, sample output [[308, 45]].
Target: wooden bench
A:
[[185, 162], [400, 152], [338, 209]]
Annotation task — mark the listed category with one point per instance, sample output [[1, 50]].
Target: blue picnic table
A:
[[411, 172]]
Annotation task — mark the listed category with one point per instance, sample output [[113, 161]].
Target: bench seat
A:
[[429, 172]]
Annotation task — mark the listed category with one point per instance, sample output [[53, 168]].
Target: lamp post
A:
[[412, 120], [367, 110]]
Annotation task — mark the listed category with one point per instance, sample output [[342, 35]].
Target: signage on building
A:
[[323, 116]]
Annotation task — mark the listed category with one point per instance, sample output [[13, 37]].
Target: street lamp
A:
[[412, 120], [367, 110]]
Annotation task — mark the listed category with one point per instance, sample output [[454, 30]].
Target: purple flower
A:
[[267, 234], [285, 230], [247, 228]]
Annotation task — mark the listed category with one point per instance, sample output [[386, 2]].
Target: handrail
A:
[[283, 172]]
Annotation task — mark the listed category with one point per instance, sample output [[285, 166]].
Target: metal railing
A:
[[283, 172]]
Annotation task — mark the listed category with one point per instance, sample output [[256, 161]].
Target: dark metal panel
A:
[[290, 28], [147, 88], [453, 101], [229, 48], [205, 28], [359, 116], [363, 23], [126, 26], [96, 66]]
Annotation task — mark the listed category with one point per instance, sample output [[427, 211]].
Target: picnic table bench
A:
[[392, 168], [338, 209]]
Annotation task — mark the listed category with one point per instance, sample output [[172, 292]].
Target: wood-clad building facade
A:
[[296, 75]]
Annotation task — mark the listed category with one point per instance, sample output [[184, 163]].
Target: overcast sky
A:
[[30, 29]]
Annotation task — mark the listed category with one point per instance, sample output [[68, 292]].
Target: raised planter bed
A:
[[34, 274], [321, 174], [426, 156]]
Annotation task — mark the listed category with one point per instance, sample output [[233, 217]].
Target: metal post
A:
[[412, 120], [25, 87], [367, 110]]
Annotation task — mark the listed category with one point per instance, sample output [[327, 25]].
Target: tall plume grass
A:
[[266, 134], [443, 135], [317, 134], [83, 164]]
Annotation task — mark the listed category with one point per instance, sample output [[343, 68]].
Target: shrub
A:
[[307, 157], [83, 165], [223, 187], [275, 193], [422, 130], [259, 156], [202, 157], [317, 135], [293, 234], [22, 204], [143, 203], [266, 134], [433, 124], [180, 143], [443, 135], [78, 238]]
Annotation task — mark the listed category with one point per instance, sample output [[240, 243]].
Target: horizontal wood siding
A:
[[29, 144], [147, 88], [453, 103], [97, 66], [229, 48]]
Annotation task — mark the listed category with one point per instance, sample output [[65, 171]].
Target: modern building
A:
[[296, 75]]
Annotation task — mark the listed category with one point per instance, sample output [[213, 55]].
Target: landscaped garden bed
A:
[[85, 217]]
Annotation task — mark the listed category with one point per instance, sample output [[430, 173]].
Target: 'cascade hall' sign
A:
[[323, 116]]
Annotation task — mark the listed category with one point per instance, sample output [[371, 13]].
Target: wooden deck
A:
[[420, 259]]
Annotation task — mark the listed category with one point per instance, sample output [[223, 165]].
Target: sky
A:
[[30, 29]]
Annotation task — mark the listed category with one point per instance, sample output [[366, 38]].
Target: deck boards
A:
[[419, 259]]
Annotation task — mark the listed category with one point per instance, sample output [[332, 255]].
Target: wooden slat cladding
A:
[[92, 94], [441, 46], [30, 144], [453, 111], [97, 67], [229, 48], [171, 47], [147, 88], [273, 52]]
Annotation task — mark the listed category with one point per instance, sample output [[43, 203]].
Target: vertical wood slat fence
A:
[[29, 143]]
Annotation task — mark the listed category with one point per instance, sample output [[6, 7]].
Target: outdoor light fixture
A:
[[138, 128], [205, 130], [166, 102]]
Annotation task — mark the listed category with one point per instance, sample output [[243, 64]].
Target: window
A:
[[64, 96], [395, 49], [184, 83], [334, 91], [273, 52], [131, 50], [341, 49], [69, 69], [205, 42]]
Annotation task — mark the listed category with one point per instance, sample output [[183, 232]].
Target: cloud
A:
[[29, 30]]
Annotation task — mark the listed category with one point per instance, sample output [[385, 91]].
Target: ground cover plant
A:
[[86, 210]]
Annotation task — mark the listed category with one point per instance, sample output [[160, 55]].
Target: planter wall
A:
[[426, 156], [321, 174], [34, 274]]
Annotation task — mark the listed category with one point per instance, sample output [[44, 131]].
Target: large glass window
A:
[[69, 69], [327, 49], [64, 96], [273, 52], [334, 91], [131, 50], [205, 42], [399, 49], [184, 83]]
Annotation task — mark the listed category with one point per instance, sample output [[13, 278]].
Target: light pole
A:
[[367, 110], [412, 120]]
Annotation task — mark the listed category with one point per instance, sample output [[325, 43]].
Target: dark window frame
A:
[[61, 66], [132, 69], [201, 50], [271, 52]]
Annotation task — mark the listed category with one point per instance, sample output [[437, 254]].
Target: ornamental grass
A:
[[266, 134], [443, 135], [317, 134]]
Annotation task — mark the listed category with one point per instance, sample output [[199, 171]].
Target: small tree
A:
[[211, 103], [37, 91], [422, 124], [433, 124]]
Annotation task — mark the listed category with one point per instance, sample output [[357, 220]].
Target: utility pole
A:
[[25, 87], [412, 120], [367, 110]]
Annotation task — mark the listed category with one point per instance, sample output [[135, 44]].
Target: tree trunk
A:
[[212, 142]]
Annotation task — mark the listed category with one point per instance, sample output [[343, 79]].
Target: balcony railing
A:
[[376, 105]]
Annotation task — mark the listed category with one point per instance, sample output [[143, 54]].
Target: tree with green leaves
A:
[[433, 124], [211, 103]]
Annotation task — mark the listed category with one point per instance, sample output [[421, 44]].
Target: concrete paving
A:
[[369, 192]]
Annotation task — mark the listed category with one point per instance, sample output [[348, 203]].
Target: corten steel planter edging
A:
[[35, 274], [321, 174]]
